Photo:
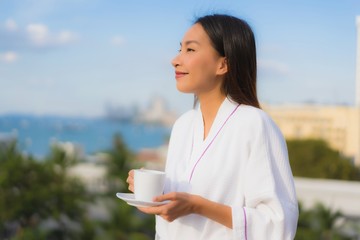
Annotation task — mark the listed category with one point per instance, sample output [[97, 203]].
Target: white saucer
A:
[[130, 199]]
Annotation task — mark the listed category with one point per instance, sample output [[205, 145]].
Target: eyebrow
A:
[[190, 41]]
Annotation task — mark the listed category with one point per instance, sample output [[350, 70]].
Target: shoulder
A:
[[186, 119], [255, 119], [252, 115]]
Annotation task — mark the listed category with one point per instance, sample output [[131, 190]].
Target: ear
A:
[[222, 67]]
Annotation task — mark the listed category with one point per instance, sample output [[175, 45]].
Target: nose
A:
[[175, 62]]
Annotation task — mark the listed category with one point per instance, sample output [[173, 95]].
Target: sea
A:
[[36, 134]]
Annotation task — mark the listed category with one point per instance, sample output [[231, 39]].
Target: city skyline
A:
[[73, 58]]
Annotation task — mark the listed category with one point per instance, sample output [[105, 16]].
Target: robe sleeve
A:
[[270, 210]]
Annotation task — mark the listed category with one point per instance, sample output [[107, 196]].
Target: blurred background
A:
[[87, 92]]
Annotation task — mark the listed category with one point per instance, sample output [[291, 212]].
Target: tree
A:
[[318, 222], [315, 159], [126, 222], [38, 200]]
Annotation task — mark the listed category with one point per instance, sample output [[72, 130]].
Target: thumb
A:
[[161, 198]]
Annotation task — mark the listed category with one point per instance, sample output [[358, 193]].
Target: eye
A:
[[190, 50]]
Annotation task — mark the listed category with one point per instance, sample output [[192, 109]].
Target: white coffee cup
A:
[[148, 184]]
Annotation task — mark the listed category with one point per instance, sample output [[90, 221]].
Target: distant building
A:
[[93, 175], [121, 113], [337, 125], [153, 158], [157, 113], [71, 149]]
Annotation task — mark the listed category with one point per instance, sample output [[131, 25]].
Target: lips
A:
[[179, 74]]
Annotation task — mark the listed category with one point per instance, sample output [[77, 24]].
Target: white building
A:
[[337, 125], [157, 113]]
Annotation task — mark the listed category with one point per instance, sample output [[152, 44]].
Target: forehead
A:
[[196, 33]]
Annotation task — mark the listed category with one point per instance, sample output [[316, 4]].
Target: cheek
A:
[[202, 65], [206, 70]]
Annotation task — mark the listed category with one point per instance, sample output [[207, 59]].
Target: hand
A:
[[130, 180], [180, 204]]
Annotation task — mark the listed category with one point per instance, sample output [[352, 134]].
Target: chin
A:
[[183, 89]]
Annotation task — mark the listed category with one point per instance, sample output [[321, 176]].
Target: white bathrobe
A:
[[244, 165]]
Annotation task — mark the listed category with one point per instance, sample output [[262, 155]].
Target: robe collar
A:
[[222, 114]]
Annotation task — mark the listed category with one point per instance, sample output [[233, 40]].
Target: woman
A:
[[228, 175]]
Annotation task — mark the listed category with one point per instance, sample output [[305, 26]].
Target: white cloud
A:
[[38, 33], [33, 35], [65, 37], [11, 25], [117, 41], [8, 57]]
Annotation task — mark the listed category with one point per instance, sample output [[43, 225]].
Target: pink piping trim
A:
[[245, 232], [192, 171]]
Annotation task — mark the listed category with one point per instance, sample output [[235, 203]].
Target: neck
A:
[[209, 106]]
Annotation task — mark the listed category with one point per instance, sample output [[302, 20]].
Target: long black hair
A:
[[234, 39]]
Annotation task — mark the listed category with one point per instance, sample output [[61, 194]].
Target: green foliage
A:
[[126, 222], [315, 159], [120, 163], [39, 200], [318, 223], [33, 192]]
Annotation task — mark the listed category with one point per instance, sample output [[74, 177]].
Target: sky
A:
[[78, 57]]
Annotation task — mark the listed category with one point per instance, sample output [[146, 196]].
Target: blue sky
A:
[[74, 57]]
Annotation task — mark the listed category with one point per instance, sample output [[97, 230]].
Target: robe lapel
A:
[[198, 144]]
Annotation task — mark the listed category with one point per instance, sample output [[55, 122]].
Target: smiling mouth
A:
[[180, 74]]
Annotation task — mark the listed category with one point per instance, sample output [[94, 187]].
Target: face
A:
[[199, 69]]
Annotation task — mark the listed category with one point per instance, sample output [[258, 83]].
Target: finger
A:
[[166, 196], [130, 178], [131, 174], [151, 210]]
